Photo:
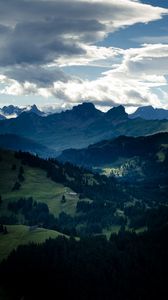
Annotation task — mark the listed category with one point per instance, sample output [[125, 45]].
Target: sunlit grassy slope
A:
[[36, 185], [22, 235]]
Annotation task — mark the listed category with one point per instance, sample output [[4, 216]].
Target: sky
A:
[[60, 53]]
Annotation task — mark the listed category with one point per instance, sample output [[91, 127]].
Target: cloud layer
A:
[[40, 37]]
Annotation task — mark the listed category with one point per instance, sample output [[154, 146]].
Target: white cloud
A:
[[147, 64], [130, 83], [94, 55], [38, 37], [151, 39]]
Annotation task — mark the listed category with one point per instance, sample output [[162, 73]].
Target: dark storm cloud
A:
[[24, 49], [39, 31], [4, 30], [40, 76], [18, 10]]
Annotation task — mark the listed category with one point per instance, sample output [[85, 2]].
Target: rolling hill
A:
[[23, 235], [46, 195], [37, 192], [36, 184], [41, 189]]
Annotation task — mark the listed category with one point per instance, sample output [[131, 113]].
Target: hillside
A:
[[41, 189], [23, 235], [18, 143], [79, 127], [124, 155], [35, 184], [48, 194], [125, 267]]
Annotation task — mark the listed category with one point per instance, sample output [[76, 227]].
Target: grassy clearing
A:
[[22, 235], [36, 185]]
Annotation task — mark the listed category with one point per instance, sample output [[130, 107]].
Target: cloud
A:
[[40, 32], [151, 39], [39, 37], [130, 83], [41, 76], [148, 62], [94, 56]]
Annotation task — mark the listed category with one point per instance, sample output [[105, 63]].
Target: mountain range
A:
[[18, 143], [144, 112], [2, 117], [150, 113], [79, 127], [12, 111]]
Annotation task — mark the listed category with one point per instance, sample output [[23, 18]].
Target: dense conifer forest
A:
[[128, 266]]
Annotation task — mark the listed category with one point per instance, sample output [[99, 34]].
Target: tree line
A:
[[128, 266]]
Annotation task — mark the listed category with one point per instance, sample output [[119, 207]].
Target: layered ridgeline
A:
[[150, 113], [12, 111], [46, 194], [128, 157], [79, 127], [144, 112], [2, 117], [16, 142]]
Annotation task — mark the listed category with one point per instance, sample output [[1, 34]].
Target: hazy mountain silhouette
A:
[[150, 113], [79, 127]]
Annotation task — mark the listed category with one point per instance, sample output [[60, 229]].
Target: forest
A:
[[127, 266], [104, 202]]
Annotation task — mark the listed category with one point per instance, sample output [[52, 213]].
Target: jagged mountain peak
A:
[[117, 112], [86, 106], [34, 109], [86, 110], [150, 113]]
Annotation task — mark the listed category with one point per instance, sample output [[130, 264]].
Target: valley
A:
[[83, 150], [54, 197], [73, 181]]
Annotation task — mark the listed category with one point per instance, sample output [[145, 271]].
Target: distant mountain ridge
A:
[[144, 112], [17, 143], [150, 113], [12, 111], [2, 117], [109, 151], [79, 127]]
